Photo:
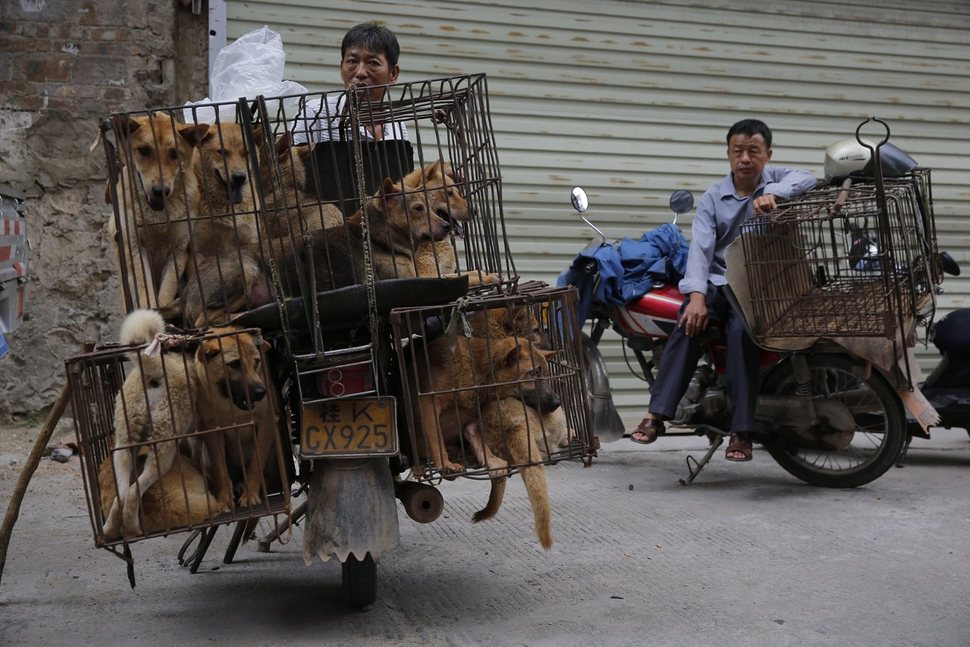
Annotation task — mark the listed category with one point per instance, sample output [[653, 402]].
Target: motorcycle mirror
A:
[[681, 201], [581, 203], [579, 199]]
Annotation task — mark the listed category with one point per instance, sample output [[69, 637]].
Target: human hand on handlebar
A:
[[764, 203], [694, 319]]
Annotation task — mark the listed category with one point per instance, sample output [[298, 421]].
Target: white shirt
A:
[[319, 122]]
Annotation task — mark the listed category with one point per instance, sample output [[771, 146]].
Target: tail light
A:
[[347, 379]]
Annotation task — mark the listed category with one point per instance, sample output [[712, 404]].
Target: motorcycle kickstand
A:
[[905, 450], [694, 466]]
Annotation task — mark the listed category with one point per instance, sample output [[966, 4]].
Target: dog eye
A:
[[173, 154], [145, 151], [234, 364], [224, 152]]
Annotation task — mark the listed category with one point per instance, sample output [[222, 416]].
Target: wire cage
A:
[[222, 208], [495, 383], [136, 422], [831, 263]]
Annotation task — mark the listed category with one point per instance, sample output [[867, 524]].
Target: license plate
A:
[[349, 427]]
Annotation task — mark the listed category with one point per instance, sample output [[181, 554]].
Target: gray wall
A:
[[64, 65], [632, 99]]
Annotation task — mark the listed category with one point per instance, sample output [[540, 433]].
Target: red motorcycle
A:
[[826, 416]]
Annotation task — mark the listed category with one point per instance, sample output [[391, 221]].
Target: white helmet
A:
[[850, 158]]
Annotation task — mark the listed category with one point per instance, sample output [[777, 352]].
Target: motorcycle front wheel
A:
[[858, 457]]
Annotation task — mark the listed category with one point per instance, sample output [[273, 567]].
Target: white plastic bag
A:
[[248, 67]]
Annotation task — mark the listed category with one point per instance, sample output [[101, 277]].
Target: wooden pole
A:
[[19, 490]]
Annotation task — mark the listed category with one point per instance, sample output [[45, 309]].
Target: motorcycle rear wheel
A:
[[877, 411]]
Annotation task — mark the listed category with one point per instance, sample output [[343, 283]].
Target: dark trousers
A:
[[682, 353]]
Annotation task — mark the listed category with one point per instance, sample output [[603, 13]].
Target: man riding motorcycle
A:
[[751, 187]]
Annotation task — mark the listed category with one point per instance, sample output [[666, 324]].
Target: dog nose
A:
[[257, 393], [159, 191], [238, 179]]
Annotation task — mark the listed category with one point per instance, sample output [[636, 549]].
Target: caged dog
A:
[[155, 196], [180, 498], [285, 201], [467, 382], [397, 221], [240, 413], [155, 407], [225, 274]]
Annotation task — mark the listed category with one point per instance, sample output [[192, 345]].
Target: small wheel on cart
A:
[[359, 579]]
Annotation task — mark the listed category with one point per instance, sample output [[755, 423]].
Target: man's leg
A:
[[677, 365], [742, 382]]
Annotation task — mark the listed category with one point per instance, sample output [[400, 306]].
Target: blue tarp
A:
[[628, 269]]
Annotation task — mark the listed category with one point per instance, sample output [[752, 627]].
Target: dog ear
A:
[[509, 350], [195, 134], [432, 171], [125, 125], [389, 188], [283, 144]]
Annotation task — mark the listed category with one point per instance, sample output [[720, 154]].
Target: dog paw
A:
[[250, 500]]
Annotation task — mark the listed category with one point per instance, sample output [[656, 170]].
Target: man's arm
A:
[[703, 238], [782, 184]]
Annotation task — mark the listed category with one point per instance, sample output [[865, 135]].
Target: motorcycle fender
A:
[[607, 424], [350, 509]]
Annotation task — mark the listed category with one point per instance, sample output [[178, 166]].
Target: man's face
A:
[[363, 67], [748, 156]]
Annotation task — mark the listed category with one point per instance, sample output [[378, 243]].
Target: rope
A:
[[369, 277]]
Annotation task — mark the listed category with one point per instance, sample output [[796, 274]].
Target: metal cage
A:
[[831, 263], [121, 405], [468, 411]]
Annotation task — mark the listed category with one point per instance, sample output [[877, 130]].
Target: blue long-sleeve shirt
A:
[[718, 221]]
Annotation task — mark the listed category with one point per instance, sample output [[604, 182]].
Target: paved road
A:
[[746, 556]]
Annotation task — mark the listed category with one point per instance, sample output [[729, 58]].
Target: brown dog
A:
[[397, 223], [156, 407], [456, 375], [239, 412], [286, 203], [510, 428], [437, 258], [180, 498], [157, 192]]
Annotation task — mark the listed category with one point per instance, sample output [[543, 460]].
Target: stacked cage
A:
[[495, 384], [179, 440], [843, 262], [281, 239]]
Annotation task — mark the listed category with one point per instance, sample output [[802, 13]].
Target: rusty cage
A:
[[287, 222], [831, 263]]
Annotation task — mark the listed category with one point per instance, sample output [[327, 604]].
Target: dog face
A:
[[442, 193], [232, 367], [520, 363], [161, 151], [407, 214], [225, 160]]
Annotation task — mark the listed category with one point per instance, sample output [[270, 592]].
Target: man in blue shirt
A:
[[750, 187]]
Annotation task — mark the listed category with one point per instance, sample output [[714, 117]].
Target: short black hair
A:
[[374, 37], [750, 128]]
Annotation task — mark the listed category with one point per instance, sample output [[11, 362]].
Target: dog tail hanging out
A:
[[140, 327]]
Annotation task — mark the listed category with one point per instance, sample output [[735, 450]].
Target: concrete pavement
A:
[[746, 556]]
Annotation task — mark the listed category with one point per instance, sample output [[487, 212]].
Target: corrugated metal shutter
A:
[[632, 99]]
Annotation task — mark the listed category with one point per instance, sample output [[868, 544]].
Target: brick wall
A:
[[64, 65]]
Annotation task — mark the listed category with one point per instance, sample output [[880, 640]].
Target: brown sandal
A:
[[649, 429], [740, 444]]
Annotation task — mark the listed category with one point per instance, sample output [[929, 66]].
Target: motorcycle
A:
[[947, 388], [826, 416]]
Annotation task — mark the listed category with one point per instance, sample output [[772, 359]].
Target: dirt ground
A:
[[745, 556]]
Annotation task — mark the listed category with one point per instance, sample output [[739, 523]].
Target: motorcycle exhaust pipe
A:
[[422, 502]]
